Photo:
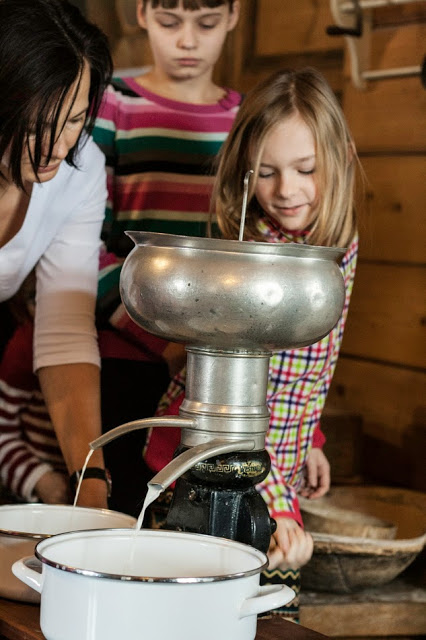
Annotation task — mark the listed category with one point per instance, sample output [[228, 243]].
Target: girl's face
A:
[[286, 188], [70, 126], [186, 44]]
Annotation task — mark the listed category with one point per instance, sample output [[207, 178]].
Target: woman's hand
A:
[[53, 488], [291, 547], [317, 475]]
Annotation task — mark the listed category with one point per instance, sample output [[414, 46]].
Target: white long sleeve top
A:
[[60, 236]]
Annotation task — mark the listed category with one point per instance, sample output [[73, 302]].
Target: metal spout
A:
[[188, 459], [145, 423]]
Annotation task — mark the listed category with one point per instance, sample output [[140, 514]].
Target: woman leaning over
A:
[[54, 67]]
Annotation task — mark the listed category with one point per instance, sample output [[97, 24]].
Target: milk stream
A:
[[152, 494], [83, 471]]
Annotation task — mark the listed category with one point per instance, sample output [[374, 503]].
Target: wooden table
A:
[[20, 621]]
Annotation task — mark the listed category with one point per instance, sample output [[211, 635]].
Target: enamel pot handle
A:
[[269, 597], [21, 569]]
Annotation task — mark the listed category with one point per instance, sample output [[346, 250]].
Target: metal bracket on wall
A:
[[354, 20]]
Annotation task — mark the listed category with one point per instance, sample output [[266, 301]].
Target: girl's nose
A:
[[286, 186], [188, 37]]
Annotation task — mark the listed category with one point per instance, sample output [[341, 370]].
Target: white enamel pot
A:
[[23, 525], [105, 585]]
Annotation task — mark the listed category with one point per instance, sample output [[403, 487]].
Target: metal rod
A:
[[349, 7], [144, 423], [244, 207], [402, 72]]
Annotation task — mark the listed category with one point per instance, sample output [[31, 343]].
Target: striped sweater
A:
[[28, 444], [159, 157]]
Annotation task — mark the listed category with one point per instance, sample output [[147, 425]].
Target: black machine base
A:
[[218, 497]]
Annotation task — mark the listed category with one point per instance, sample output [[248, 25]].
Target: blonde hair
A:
[[283, 94]]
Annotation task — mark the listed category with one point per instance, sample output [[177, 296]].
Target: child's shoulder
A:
[[232, 99], [16, 369], [124, 86]]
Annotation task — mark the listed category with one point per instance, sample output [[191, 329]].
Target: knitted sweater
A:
[[160, 157], [28, 444]]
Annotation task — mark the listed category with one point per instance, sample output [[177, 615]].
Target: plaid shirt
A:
[[299, 380]]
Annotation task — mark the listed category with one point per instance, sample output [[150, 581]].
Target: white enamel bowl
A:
[[23, 525], [104, 585]]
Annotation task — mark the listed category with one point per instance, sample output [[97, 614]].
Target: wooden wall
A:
[[381, 373]]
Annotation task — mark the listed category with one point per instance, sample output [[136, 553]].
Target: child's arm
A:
[[21, 471], [317, 475], [111, 312], [53, 488], [291, 547], [23, 413]]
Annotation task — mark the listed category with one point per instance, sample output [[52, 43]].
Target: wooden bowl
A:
[[323, 516], [345, 563]]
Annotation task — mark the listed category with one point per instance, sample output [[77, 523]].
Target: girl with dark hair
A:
[[54, 67]]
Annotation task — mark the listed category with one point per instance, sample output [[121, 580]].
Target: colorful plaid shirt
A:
[[299, 380]]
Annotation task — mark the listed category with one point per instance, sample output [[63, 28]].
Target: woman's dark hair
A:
[[188, 5], [44, 45]]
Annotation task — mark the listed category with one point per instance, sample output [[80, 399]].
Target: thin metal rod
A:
[[244, 207], [144, 423], [349, 7], [381, 74]]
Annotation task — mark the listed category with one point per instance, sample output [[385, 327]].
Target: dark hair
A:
[[44, 45], [188, 5]]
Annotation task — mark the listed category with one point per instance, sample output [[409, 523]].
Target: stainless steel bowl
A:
[[227, 294]]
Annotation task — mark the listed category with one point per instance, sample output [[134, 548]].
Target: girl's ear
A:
[[140, 15], [234, 15]]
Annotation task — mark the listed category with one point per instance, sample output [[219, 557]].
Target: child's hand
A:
[[291, 547], [175, 356], [317, 475], [53, 488]]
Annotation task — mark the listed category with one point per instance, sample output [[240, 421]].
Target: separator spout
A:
[[144, 423], [188, 459]]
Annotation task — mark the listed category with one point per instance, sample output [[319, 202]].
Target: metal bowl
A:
[[227, 294]]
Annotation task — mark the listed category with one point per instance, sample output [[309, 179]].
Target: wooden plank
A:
[[393, 207], [387, 315], [390, 114], [245, 63], [396, 608], [389, 399], [285, 26], [278, 629], [399, 15], [366, 619], [379, 638], [19, 621]]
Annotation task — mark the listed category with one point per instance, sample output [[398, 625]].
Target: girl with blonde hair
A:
[[291, 132]]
